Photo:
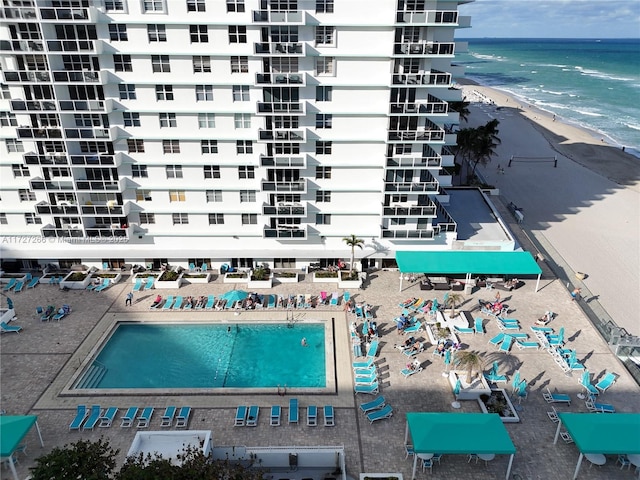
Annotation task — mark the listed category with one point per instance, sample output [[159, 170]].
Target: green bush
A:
[[349, 275], [285, 274], [326, 274], [76, 277], [169, 276]]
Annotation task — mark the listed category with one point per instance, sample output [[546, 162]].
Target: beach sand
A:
[[587, 208]]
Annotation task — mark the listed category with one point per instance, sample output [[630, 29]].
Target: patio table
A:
[[596, 458]]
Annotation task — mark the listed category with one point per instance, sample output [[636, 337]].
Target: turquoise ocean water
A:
[[591, 83]]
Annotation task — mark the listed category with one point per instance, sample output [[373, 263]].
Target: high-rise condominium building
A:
[[237, 131]]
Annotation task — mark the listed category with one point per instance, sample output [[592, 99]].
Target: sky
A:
[[552, 19]]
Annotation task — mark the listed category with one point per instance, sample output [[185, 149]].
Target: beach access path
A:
[[588, 208]]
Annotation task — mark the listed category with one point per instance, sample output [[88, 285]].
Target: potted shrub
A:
[[203, 277], [235, 277], [325, 276], [260, 278], [169, 279], [76, 281], [286, 276], [497, 401]]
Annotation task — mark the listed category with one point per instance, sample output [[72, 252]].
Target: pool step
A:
[[92, 378]]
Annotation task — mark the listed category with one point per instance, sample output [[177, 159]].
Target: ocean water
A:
[[591, 83]]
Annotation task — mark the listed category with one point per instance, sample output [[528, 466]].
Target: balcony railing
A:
[[108, 232], [93, 160], [76, 77], [431, 135], [285, 232], [33, 105], [48, 209], [285, 209], [299, 186], [425, 187], [432, 79], [425, 48], [26, 76], [270, 17], [425, 162], [432, 17], [19, 13], [99, 185], [64, 14], [279, 48], [281, 135], [82, 105], [21, 46], [431, 107], [281, 107], [43, 133], [104, 210], [72, 46], [71, 231], [408, 234], [32, 158], [297, 79], [101, 133], [51, 185], [283, 162], [414, 211]]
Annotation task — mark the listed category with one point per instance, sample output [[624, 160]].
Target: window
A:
[[211, 171], [323, 120], [201, 64], [325, 35], [324, 66], [135, 146], [208, 146], [410, 65], [247, 196], [14, 145], [284, 263], [122, 63], [204, 93], [423, 224], [216, 219], [118, 32], [198, 33], [235, 6], [323, 94], [139, 171], [176, 196], [285, 121], [170, 146], [240, 93], [26, 195], [196, 6], [167, 120], [323, 172], [127, 91], [323, 148], [237, 34], [147, 218], [157, 33], [244, 146], [3, 219], [403, 148], [213, 196], [206, 120], [4, 91], [143, 195], [284, 65], [246, 172], [239, 64], [31, 219], [174, 171], [324, 6], [180, 218], [249, 219], [398, 221], [323, 219], [131, 119], [242, 120], [323, 196], [114, 5], [164, 92], [20, 170], [281, 148], [160, 63], [153, 6]]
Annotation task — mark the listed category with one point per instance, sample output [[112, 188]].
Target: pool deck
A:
[[40, 360]]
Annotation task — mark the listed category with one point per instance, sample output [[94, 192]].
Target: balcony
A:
[[99, 185], [83, 105], [285, 232], [412, 211], [39, 183], [431, 79], [430, 17], [67, 232], [33, 105], [27, 77], [281, 107], [69, 46], [281, 135], [285, 210], [44, 208], [297, 186], [432, 106], [18, 13], [297, 79], [110, 208], [422, 187], [109, 231], [21, 46], [32, 158], [280, 49], [39, 133], [283, 162], [430, 134], [93, 160], [408, 234], [412, 162], [425, 48], [76, 77], [97, 133], [270, 17], [74, 14]]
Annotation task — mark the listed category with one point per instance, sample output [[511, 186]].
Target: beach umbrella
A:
[[516, 380], [586, 378], [522, 390], [457, 387], [494, 369], [445, 298], [561, 335], [365, 327], [434, 307], [234, 296], [573, 357]]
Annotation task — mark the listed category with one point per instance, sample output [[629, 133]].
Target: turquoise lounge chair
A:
[[523, 344], [366, 364], [145, 417], [506, 344], [94, 416], [373, 349], [252, 416], [168, 303], [312, 416], [594, 406], [272, 301], [334, 299], [128, 417], [19, 286], [106, 283], [10, 285], [368, 389], [211, 300], [6, 328], [495, 341], [366, 379], [606, 382], [384, 412], [556, 397], [33, 282], [478, 326], [463, 329], [374, 404], [276, 411], [178, 304], [168, 416], [204, 267], [182, 419], [293, 410], [150, 282], [329, 417], [241, 416], [138, 285], [106, 419], [413, 328], [81, 415]]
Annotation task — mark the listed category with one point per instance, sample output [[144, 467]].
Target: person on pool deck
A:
[[157, 301]]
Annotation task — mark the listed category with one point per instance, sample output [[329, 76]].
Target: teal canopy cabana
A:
[[13, 429], [468, 262], [610, 433], [458, 434]]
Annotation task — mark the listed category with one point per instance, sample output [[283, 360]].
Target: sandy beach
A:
[[587, 208]]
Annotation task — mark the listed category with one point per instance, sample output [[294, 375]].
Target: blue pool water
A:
[[209, 356]]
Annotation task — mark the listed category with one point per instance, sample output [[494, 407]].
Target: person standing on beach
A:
[[575, 293]]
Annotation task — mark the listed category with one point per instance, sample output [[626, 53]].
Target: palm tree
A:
[[469, 360], [453, 300], [462, 108], [353, 242]]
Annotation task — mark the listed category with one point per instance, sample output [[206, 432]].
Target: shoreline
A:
[[576, 143]]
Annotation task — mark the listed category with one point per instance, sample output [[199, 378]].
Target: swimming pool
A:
[[193, 356]]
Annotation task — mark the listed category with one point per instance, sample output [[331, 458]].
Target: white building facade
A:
[[237, 131]]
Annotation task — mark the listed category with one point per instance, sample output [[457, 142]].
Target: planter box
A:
[[260, 283], [205, 279], [115, 279], [142, 277], [510, 414], [81, 285], [350, 284], [471, 391], [381, 476], [164, 284], [231, 279], [295, 279], [433, 338], [335, 279]]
